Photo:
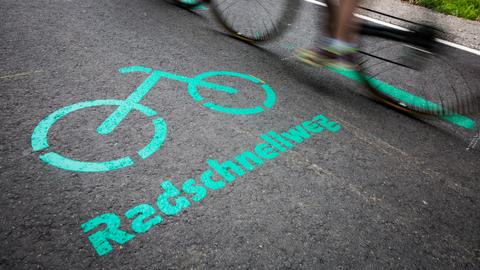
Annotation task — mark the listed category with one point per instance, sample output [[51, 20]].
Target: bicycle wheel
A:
[[186, 3], [418, 77], [255, 20]]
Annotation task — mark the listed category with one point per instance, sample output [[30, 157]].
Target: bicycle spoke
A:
[[255, 20]]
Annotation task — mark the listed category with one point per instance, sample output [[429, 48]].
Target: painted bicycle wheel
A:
[[253, 20], [260, 88], [39, 139]]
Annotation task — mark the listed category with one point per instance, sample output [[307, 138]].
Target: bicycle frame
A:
[[423, 38]]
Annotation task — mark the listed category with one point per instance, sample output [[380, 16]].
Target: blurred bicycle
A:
[[406, 70]]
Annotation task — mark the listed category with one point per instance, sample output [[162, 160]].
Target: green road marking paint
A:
[[111, 232], [271, 97], [142, 220], [163, 200], [459, 120], [39, 139], [135, 69], [199, 81], [62, 162], [244, 111], [199, 7], [199, 191], [171, 201], [123, 110], [158, 138]]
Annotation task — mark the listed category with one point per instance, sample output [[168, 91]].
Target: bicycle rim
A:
[[255, 20]]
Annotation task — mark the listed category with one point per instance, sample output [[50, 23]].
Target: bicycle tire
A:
[[431, 87], [252, 26]]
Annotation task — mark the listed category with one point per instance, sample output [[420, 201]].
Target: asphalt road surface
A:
[[317, 177]]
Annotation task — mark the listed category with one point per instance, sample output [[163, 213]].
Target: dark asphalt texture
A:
[[387, 191]]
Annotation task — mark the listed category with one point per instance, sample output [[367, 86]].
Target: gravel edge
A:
[[461, 31]]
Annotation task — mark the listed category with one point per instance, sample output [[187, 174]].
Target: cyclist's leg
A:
[[344, 27], [332, 20], [337, 47]]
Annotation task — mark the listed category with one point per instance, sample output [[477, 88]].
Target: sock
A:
[[342, 46]]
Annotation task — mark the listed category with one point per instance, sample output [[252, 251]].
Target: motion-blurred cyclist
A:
[[339, 47]]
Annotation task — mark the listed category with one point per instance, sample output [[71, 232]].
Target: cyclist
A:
[[338, 48]]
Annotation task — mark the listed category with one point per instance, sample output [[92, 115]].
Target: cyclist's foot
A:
[[327, 56]]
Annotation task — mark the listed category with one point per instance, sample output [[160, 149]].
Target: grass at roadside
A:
[[468, 9]]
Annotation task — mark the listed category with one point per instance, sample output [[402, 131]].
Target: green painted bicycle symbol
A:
[[39, 138]]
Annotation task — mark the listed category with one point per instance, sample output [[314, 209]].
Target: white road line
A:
[[380, 22], [445, 42], [19, 74], [317, 3], [458, 46]]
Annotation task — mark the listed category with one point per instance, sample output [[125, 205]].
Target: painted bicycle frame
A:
[[39, 139]]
